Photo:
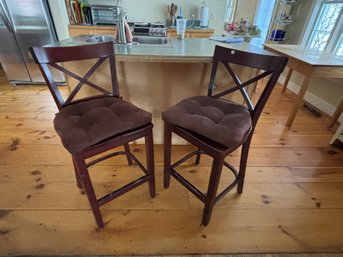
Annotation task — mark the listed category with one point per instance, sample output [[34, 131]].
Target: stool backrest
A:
[[271, 65], [53, 56]]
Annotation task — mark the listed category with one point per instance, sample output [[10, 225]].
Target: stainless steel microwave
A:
[[102, 14]]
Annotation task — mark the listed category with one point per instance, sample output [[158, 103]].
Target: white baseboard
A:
[[316, 101]]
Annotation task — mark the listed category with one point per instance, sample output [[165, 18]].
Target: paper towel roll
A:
[[204, 17]]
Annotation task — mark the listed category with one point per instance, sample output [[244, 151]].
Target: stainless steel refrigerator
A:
[[24, 23]]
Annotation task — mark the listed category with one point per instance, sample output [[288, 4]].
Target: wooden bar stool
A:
[[218, 126], [90, 126]]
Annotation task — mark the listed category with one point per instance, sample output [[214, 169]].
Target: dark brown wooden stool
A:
[[93, 125], [218, 126]]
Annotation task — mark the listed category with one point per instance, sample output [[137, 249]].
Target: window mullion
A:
[[312, 23], [230, 10], [335, 34]]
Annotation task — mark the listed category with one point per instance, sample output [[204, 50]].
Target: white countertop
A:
[[179, 50], [312, 57], [188, 47]]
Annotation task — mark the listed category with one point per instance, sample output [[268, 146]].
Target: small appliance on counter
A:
[[105, 15]]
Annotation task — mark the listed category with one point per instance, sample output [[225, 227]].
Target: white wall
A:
[[60, 17], [325, 94], [245, 9], [157, 10]]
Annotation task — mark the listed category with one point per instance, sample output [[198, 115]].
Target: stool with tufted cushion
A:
[[90, 126], [218, 126]]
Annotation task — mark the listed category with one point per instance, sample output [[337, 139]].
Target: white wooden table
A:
[[309, 63]]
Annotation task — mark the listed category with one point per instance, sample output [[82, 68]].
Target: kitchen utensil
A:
[[172, 9]]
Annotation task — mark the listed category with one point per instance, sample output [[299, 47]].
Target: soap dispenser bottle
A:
[[204, 15]]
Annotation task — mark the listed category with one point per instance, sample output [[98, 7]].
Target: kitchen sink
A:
[[91, 39], [100, 39], [137, 40], [151, 40]]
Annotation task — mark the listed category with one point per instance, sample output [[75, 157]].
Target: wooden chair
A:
[[217, 126], [93, 125]]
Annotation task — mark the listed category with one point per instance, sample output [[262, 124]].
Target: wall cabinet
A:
[[192, 33], [174, 35], [201, 34], [76, 30]]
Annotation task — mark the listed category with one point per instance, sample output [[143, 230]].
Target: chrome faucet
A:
[[121, 33]]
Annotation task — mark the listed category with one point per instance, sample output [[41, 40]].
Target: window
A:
[[263, 17], [230, 10], [325, 30], [339, 48]]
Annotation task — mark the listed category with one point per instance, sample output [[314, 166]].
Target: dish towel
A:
[[228, 39]]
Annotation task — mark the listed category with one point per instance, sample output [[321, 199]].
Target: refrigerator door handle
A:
[[48, 17], [5, 18]]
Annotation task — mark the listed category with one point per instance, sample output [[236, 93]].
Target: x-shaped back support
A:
[[83, 80], [239, 85]]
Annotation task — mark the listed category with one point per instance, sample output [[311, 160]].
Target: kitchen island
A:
[[154, 77]]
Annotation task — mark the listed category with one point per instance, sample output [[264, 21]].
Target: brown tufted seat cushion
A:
[[220, 120], [86, 123]]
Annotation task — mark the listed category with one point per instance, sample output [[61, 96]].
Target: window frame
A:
[[262, 8], [335, 35], [230, 11]]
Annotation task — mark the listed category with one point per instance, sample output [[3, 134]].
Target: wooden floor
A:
[[292, 203]]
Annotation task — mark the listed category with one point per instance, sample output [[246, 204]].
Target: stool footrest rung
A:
[[122, 190], [100, 159], [188, 185], [139, 164], [230, 167], [188, 156], [225, 191], [195, 190]]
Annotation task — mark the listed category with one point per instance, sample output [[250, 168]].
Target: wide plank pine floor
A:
[[292, 202]]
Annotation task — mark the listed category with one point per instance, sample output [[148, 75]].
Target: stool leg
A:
[[149, 148], [243, 164], [167, 154], [217, 167], [88, 187], [336, 114], [128, 156], [77, 175], [197, 160]]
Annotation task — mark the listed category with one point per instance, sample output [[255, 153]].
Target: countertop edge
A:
[[163, 59]]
